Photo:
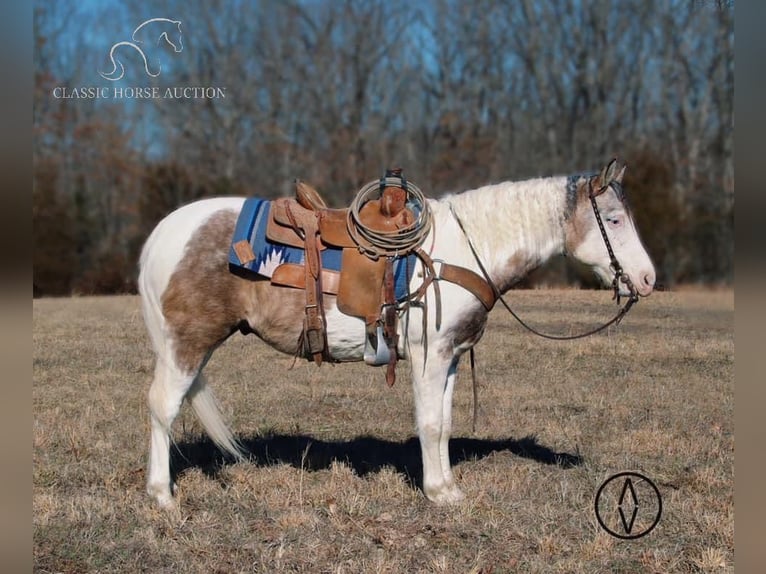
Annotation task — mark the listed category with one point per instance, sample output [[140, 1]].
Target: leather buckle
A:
[[438, 272]]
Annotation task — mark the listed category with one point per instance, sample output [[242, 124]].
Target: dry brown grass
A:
[[333, 484]]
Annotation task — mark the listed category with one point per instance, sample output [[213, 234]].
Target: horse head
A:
[[592, 242], [175, 38], [170, 31]]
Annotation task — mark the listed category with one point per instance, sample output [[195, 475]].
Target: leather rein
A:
[[619, 275]]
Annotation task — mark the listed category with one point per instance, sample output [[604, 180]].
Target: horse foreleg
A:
[[433, 411], [447, 429]]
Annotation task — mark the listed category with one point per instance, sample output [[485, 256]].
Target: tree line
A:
[[459, 94]]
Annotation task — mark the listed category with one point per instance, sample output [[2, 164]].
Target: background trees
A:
[[333, 91]]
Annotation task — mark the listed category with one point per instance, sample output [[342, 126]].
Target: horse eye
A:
[[614, 220]]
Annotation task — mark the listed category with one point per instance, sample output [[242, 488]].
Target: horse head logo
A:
[[149, 35]]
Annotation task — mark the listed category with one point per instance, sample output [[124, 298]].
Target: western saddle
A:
[[365, 286]]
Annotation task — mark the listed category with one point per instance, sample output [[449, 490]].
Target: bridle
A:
[[619, 275]]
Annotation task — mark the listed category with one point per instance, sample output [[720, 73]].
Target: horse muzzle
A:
[[643, 287]]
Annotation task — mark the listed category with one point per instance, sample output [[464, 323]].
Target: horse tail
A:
[[150, 298], [152, 277], [113, 75], [208, 412]]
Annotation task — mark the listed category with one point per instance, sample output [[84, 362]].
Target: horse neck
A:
[[514, 226]]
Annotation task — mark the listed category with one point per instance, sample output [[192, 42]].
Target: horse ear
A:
[[603, 177], [610, 172], [621, 174]]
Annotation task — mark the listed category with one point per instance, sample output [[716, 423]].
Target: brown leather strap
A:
[[430, 277], [440, 271], [470, 281], [389, 320], [313, 329], [294, 275], [310, 227]]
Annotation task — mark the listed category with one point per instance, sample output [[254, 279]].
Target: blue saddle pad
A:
[[251, 227]]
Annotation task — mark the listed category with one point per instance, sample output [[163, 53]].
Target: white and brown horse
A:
[[192, 303]]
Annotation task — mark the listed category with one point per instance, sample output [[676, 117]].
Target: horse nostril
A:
[[649, 280]]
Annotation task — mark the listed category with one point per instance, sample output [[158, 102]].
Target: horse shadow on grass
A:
[[364, 454]]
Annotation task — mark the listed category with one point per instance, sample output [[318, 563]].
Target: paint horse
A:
[[192, 303]]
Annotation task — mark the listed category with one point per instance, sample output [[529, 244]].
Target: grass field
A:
[[333, 482]]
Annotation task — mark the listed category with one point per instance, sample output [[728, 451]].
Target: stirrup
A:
[[376, 351]]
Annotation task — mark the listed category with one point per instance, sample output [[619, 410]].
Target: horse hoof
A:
[[167, 503], [446, 496], [163, 498]]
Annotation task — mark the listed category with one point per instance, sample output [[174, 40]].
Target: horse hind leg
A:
[[167, 392], [180, 276]]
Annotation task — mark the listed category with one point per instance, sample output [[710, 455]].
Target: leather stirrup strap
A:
[[314, 329], [389, 320]]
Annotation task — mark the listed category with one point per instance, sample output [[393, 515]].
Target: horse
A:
[[192, 303], [153, 29]]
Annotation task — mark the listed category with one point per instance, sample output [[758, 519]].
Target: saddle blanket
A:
[[251, 227]]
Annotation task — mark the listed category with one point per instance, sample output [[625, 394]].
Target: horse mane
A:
[[527, 214]]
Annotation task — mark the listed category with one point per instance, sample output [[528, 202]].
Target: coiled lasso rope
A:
[[375, 243]]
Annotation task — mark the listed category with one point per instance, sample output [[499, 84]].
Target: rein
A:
[[619, 275]]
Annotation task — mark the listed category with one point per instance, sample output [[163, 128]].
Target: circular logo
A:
[[628, 505]]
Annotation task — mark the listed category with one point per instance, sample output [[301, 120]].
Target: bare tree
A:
[[333, 91]]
